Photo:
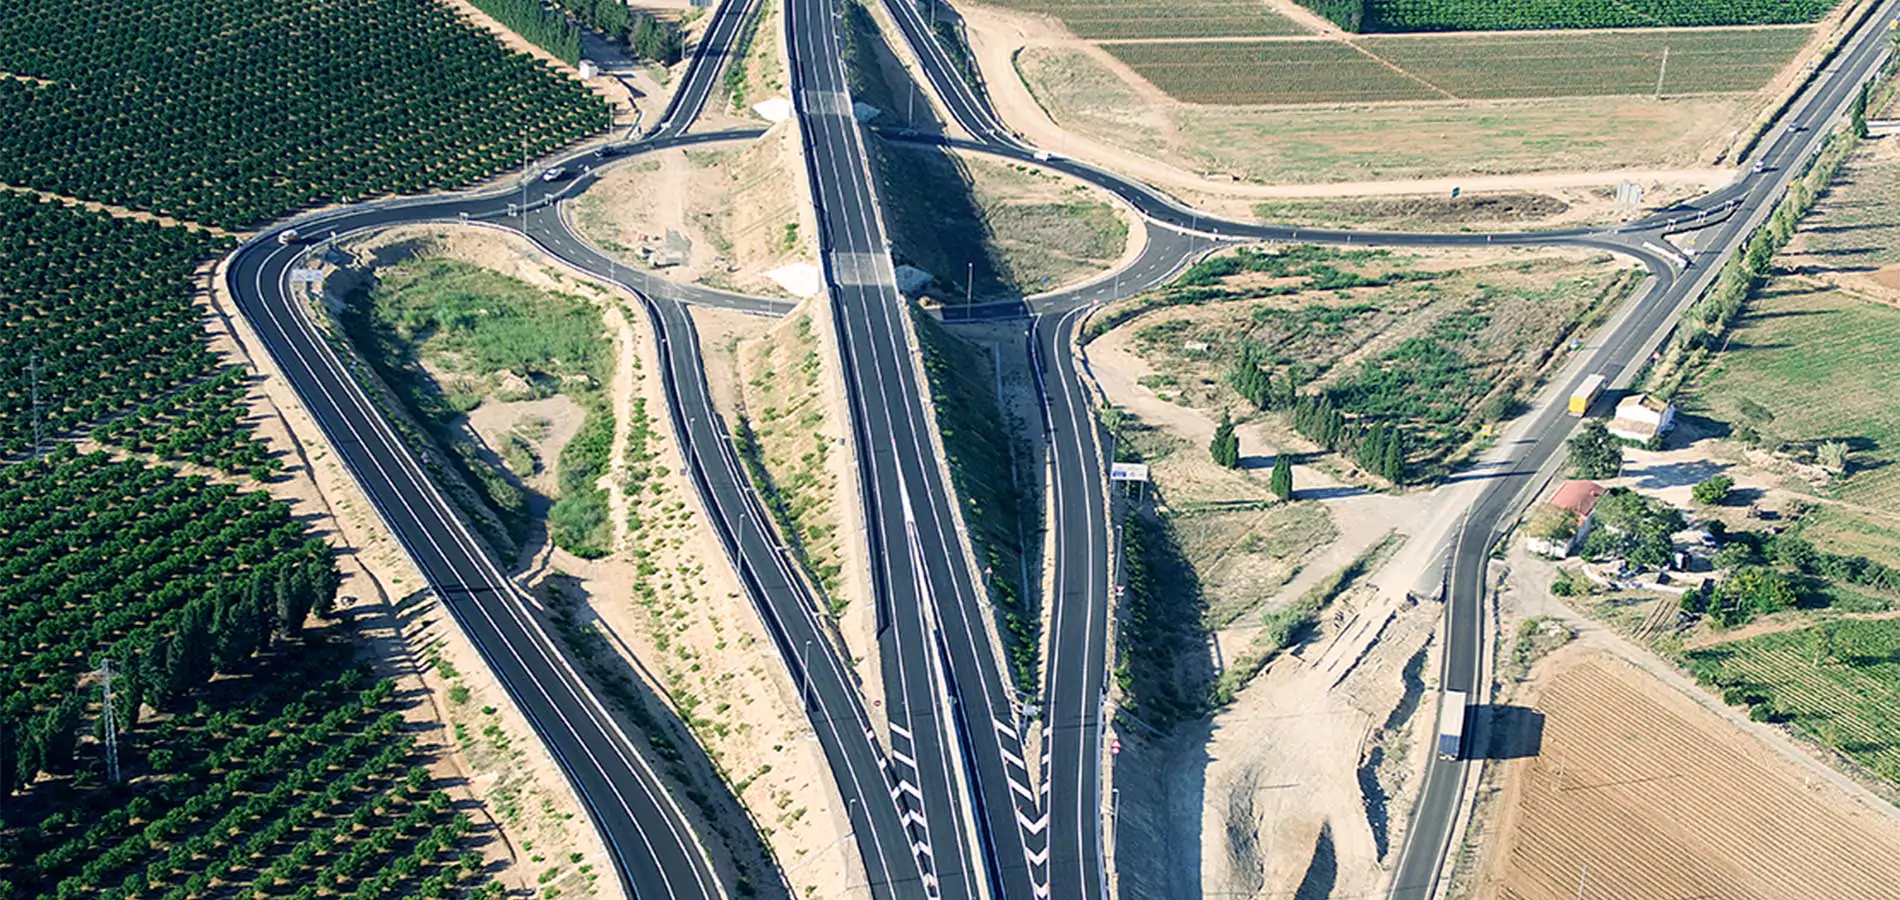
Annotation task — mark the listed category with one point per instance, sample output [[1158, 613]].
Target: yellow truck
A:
[[1587, 393]]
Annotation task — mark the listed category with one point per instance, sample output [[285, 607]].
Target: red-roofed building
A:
[[1559, 526]]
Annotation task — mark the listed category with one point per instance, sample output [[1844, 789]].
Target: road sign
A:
[[306, 276], [1115, 746], [1128, 472]]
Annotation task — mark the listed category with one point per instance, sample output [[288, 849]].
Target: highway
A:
[[1078, 642], [947, 810], [954, 727], [655, 849]]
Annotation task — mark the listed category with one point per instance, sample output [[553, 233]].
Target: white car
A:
[[1043, 156], [287, 236], [555, 174]]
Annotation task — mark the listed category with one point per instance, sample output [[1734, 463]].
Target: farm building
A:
[[1559, 526], [1640, 417]]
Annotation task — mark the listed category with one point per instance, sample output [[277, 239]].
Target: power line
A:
[[111, 721]]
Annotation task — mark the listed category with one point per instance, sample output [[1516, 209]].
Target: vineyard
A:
[[1464, 66], [234, 113], [1132, 19], [1578, 65], [1837, 682], [1523, 15]]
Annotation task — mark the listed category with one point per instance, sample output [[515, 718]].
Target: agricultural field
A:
[[1810, 357], [1250, 73], [1146, 19], [264, 741], [239, 119], [97, 320], [1490, 15], [1634, 790], [1441, 344], [1573, 65], [1477, 67], [1832, 681]]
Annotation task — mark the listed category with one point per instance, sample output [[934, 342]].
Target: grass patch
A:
[[1436, 351], [1837, 682], [997, 497], [445, 334]]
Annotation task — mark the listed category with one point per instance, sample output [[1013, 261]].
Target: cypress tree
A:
[[1393, 468], [1282, 482], [1225, 447]]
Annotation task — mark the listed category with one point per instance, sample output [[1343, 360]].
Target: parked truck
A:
[[1451, 724], [1587, 393]]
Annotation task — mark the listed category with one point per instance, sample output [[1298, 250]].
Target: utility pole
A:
[[33, 375], [969, 289], [111, 723], [524, 182], [1663, 73]]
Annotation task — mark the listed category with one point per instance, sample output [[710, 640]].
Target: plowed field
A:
[[1639, 792]]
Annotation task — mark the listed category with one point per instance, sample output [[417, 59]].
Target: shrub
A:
[[1712, 491], [1594, 452]]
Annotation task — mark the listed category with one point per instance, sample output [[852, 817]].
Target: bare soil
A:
[[1633, 789], [735, 204], [784, 378]]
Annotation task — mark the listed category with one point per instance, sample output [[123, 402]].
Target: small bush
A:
[[1713, 491]]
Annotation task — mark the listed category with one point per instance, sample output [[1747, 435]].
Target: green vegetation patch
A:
[[97, 320], [1808, 365], [997, 495], [1245, 73], [232, 113], [444, 334], [1520, 15], [1836, 682], [1437, 353], [1139, 19]]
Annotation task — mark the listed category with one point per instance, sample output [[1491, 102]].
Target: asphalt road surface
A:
[[955, 767]]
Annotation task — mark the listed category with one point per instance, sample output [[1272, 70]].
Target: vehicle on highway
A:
[[1587, 393], [555, 174], [1044, 156], [1760, 167], [604, 151], [1452, 707], [288, 236]]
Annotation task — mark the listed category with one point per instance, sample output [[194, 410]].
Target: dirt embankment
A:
[[660, 624], [778, 386], [724, 216]]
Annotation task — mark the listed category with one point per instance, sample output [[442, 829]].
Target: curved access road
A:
[[655, 849], [1076, 671]]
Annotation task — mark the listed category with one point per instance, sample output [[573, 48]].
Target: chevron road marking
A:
[[1018, 788], [1033, 826]]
